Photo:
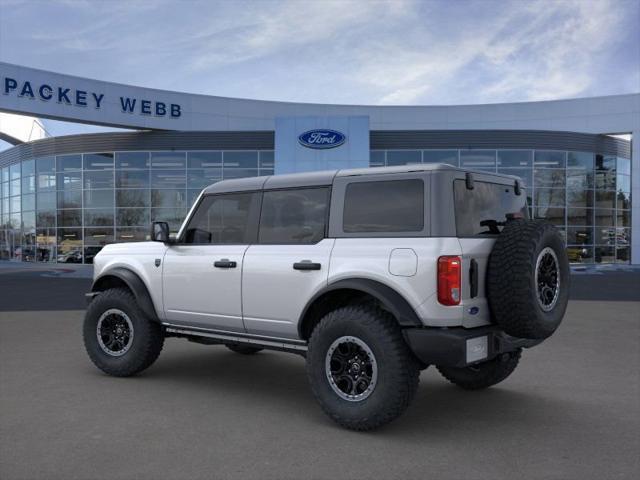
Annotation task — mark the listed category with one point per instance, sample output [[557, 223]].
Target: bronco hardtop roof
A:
[[312, 179]]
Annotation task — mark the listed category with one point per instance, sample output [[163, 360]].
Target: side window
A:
[[224, 219], [384, 206], [293, 216], [483, 210]]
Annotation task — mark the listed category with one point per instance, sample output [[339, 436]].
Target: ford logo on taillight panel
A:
[[322, 138]]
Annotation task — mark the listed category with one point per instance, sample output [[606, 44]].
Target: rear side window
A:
[[384, 206], [483, 210], [295, 216], [224, 219]]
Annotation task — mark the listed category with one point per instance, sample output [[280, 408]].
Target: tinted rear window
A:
[[479, 211], [294, 216], [384, 206]]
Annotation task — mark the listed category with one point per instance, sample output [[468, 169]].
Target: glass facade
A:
[[66, 208], [587, 196]]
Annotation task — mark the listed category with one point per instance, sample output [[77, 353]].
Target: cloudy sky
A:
[[362, 52]]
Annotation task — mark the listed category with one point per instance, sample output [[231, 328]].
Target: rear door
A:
[[382, 225], [290, 262]]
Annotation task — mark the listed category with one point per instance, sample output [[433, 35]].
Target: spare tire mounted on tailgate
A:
[[528, 279]]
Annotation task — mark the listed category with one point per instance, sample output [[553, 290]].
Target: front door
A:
[[202, 272]]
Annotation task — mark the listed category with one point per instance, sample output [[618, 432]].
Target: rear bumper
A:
[[460, 347]]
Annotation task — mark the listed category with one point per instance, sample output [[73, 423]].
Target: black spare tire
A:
[[528, 279]]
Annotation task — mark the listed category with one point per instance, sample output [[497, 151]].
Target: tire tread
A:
[[406, 371], [149, 335], [509, 278]]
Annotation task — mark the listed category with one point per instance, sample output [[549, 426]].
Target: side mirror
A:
[[160, 232]]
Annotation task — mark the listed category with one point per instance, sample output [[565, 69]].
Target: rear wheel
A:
[[120, 340], [483, 375], [243, 349], [360, 369]]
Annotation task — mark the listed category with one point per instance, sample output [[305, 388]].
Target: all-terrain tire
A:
[[243, 349], [515, 298], [145, 346], [483, 375], [397, 369]]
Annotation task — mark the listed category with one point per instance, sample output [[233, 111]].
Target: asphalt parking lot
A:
[[570, 411]]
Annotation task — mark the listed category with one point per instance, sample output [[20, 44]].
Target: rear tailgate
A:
[[481, 209]]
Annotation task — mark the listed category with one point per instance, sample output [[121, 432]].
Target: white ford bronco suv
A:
[[371, 274]]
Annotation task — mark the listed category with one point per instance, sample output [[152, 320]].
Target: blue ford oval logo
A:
[[322, 138]]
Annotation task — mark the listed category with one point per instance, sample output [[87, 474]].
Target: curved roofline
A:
[[9, 139], [196, 112], [316, 104]]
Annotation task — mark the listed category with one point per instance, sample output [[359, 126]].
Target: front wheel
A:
[[360, 369], [120, 340], [483, 375]]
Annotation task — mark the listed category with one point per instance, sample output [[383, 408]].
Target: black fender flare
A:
[[394, 302], [135, 284]]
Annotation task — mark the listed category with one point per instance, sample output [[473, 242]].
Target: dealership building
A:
[[63, 198]]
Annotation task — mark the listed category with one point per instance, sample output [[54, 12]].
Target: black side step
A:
[[221, 336]]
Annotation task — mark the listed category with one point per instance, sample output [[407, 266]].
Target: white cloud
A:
[[404, 95], [260, 32], [532, 51], [386, 52], [552, 56]]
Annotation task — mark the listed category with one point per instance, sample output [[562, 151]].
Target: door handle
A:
[[306, 265], [224, 263]]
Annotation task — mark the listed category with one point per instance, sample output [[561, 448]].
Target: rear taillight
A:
[[449, 268]]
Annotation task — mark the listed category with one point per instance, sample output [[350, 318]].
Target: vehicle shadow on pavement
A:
[[439, 407], [280, 381]]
